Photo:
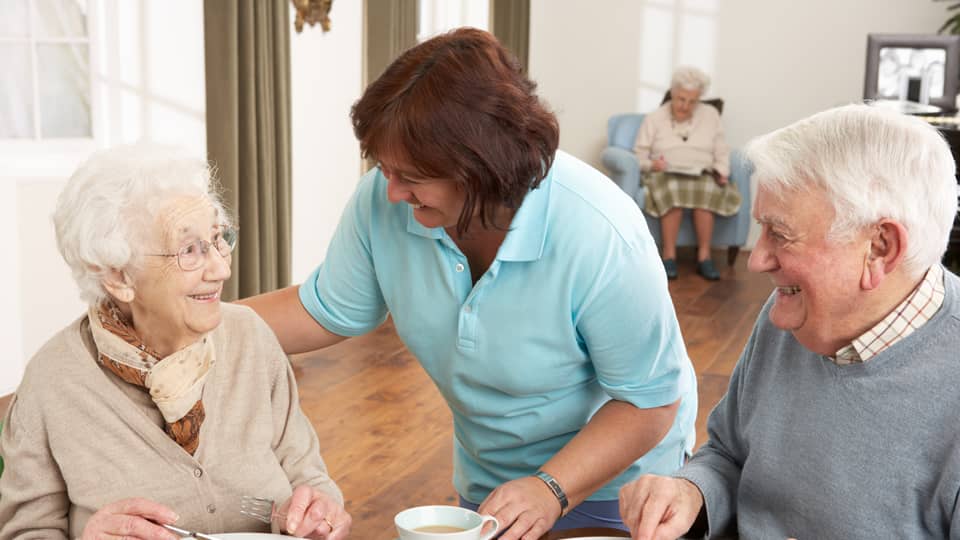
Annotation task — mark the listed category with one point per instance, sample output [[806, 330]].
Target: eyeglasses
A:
[[193, 255]]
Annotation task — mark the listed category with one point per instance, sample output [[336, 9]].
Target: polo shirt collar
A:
[[414, 227], [528, 230]]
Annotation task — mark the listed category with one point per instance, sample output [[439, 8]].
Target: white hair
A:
[[690, 78], [872, 164], [109, 207]]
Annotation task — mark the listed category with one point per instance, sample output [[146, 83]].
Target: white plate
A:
[[587, 538], [251, 536], [597, 538]]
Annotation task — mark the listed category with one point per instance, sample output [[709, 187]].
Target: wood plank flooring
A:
[[386, 434]]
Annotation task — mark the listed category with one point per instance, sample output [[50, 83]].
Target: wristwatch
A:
[[554, 486]]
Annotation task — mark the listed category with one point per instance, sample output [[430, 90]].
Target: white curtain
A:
[[16, 93]]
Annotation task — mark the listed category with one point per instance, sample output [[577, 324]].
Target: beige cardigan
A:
[[704, 148], [76, 437]]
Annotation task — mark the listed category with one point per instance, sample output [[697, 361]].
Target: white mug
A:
[[440, 522]]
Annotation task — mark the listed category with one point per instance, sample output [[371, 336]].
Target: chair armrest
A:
[[624, 170], [619, 160], [740, 172]]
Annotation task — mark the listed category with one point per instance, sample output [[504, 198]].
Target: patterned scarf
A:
[[175, 382]]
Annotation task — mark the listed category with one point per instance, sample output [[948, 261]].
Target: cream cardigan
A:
[[704, 147], [77, 437]]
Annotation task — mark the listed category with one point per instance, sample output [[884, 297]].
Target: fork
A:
[[188, 534], [265, 510], [259, 508]]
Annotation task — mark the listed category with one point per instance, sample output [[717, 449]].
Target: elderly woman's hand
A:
[[128, 518], [525, 508], [313, 514], [659, 164], [721, 180]]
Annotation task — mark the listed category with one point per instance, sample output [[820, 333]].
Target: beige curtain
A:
[[247, 52], [390, 27], [511, 24]]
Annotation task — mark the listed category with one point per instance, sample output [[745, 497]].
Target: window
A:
[[44, 70], [438, 16]]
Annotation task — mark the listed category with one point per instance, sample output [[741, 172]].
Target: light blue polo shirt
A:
[[573, 311]]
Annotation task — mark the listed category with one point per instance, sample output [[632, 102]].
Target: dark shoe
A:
[[706, 269], [670, 266]]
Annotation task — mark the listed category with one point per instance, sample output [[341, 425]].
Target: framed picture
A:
[[918, 68]]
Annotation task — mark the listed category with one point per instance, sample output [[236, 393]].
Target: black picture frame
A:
[[951, 78]]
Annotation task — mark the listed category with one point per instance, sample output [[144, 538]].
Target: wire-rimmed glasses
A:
[[193, 255]]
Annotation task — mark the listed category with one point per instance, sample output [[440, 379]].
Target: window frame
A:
[[39, 156]]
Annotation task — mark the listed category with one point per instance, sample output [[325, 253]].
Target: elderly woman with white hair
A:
[[159, 405], [681, 150]]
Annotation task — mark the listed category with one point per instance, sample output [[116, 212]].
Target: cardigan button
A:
[[211, 508]]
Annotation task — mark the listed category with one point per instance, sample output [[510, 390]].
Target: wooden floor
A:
[[385, 432]]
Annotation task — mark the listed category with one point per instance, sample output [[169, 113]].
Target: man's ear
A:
[[119, 285], [885, 252]]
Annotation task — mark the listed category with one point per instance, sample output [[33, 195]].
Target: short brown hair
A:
[[459, 107]]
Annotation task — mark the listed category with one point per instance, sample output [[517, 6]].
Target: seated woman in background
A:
[[686, 162], [160, 404]]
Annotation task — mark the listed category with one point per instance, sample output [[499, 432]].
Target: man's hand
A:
[[525, 508], [659, 507]]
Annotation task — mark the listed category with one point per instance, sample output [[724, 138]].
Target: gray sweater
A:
[[801, 447]]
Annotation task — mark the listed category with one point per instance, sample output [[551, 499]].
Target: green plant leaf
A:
[[952, 23]]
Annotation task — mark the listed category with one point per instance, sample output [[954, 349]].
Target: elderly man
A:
[[840, 420]]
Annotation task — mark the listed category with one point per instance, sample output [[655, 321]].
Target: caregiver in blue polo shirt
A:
[[522, 279]]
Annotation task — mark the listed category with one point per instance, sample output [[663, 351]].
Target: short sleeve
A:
[[343, 293], [630, 328]]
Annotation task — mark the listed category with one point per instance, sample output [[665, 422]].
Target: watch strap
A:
[[554, 486]]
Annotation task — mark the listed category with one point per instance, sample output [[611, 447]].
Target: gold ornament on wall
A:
[[312, 12]]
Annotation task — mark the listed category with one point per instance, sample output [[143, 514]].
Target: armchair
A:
[[621, 163]]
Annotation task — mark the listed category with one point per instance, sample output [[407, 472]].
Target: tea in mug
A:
[[439, 529]]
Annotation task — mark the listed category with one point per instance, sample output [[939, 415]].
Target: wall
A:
[[773, 61], [584, 60], [326, 78], [803, 57]]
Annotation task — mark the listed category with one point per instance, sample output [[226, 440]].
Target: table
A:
[[580, 533], [577, 533]]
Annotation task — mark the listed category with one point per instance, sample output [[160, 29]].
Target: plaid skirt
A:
[[666, 191]]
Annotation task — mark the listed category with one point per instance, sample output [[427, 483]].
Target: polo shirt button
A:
[[198, 472], [459, 267], [467, 309], [211, 508]]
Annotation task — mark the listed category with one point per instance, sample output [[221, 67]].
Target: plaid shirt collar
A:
[[910, 315]]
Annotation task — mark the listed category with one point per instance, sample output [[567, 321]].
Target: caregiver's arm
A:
[[296, 329]]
